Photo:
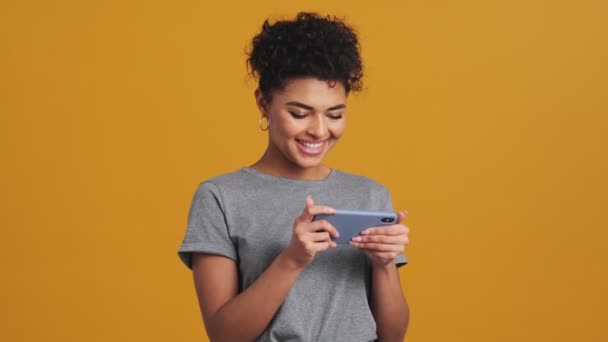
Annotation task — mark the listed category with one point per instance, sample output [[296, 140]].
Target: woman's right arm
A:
[[232, 316]]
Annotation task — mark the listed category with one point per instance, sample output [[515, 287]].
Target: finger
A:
[[378, 247], [322, 246], [304, 216], [323, 225], [319, 237], [310, 210], [396, 229], [386, 239], [401, 216], [309, 203]]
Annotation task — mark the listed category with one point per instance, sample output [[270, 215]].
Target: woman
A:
[[263, 270]]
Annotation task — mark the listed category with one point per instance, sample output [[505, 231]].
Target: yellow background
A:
[[486, 119]]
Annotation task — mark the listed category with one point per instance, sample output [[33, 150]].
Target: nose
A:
[[317, 127]]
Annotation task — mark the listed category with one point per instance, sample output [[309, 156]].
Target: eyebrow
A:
[[307, 107]]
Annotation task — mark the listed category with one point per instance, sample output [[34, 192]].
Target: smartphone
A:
[[350, 223]]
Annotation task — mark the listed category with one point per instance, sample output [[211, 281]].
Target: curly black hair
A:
[[309, 46]]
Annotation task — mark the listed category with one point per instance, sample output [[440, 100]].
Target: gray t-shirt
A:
[[248, 217]]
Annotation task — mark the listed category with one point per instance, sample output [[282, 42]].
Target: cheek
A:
[[284, 128], [338, 128]]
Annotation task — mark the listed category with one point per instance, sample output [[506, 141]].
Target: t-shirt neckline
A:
[[266, 176]]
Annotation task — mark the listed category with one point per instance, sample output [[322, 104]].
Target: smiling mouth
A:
[[311, 148]]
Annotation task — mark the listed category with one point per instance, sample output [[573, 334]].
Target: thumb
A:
[[401, 216], [306, 213], [309, 202]]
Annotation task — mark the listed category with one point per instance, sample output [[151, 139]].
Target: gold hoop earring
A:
[[267, 123]]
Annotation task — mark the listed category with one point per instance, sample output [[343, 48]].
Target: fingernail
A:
[[357, 238], [365, 232]]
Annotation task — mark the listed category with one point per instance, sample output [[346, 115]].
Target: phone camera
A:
[[387, 219]]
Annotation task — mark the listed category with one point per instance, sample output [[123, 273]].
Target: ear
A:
[[260, 101]]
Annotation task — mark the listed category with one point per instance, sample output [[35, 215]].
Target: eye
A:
[[335, 116], [298, 115]]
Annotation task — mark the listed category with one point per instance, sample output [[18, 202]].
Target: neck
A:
[[275, 164]]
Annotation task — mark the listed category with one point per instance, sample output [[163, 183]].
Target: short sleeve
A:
[[207, 230], [387, 205]]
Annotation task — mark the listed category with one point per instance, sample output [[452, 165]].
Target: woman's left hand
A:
[[383, 244]]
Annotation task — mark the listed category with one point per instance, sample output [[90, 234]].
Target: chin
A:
[[307, 163]]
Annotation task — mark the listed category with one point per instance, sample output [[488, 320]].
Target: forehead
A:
[[313, 92]]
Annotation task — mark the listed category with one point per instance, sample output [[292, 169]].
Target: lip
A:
[[307, 150]]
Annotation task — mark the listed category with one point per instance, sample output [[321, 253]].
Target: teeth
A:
[[313, 146]]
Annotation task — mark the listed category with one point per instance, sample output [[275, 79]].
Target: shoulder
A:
[[218, 183], [227, 179], [358, 192], [359, 181], [232, 186]]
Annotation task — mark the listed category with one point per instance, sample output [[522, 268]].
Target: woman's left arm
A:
[[389, 306]]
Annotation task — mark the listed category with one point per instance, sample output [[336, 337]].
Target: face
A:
[[307, 118]]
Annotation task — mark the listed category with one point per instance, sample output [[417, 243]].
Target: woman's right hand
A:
[[310, 237]]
